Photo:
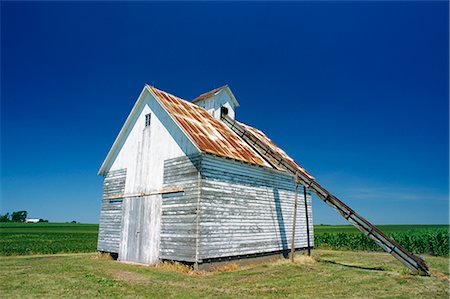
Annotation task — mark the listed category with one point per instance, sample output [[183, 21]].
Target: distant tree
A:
[[73, 221], [43, 220], [5, 218], [19, 216]]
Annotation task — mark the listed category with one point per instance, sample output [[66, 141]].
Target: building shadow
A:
[[353, 266], [281, 225]]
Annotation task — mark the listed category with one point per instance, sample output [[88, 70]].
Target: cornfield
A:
[[433, 241]]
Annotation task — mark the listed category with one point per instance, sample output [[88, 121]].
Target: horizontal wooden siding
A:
[[179, 211], [111, 212], [247, 209]]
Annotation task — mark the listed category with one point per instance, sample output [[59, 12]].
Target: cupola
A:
[[217, 101]]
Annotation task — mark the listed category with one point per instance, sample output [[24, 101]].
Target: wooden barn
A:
[[180, 184]]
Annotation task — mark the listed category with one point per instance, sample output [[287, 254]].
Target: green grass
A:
[[38, 238], [335, 274]]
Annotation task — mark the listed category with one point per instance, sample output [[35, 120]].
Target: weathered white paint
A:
[[247, 209], [145, 148], [142, 151], [179, 213], [141, 230], [110, 225], [231, 209], [222, 98], [133, 127]]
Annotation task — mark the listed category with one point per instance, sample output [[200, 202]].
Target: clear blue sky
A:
[[356, 92]]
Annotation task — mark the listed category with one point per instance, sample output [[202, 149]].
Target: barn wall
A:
[[143, 149], [232, 209], [111, 212], [179, 211], [247, 209]]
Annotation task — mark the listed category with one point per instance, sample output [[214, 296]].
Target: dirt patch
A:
[[229, 267], [440, 275], [172, 266], [305, 259], [102, 256], [131, 277]]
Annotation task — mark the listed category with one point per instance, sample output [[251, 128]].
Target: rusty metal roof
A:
[[266, 140], [207, 94], [209, 134], [212, 135]]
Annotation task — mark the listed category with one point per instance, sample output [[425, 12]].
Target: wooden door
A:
[[141, 228]]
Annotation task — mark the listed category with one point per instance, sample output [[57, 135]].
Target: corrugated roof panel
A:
[[209, 134], [263, 138]]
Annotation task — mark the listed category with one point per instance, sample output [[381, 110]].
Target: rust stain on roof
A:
[[209, 134], [215, 137], [266, 140], [207, 94]]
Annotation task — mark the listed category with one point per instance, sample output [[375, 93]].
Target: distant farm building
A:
[[32, 220], [180, 184]]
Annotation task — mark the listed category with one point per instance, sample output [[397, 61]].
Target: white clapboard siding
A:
[[231, 209], [247, 209], [111, 212], [179, 211]]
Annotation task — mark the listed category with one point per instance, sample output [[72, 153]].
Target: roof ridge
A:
[[207, 94], [209, 134], [179, 98]]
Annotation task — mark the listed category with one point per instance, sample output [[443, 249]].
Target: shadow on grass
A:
[[353, 266]]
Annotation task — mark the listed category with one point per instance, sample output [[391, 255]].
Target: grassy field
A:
[[38, 238], [331, 274]]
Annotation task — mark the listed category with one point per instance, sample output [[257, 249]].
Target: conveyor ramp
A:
[[272, 156]]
